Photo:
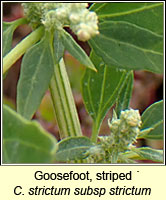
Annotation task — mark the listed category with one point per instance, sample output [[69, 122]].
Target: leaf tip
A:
[[93, 68]]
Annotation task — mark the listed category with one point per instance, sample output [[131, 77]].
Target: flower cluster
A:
[[33, 12], [124, 132], [83, 22], [57, 15]]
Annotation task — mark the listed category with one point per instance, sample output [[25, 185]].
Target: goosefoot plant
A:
[[123, 37]]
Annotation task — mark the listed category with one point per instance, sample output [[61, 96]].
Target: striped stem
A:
[[63, 101]]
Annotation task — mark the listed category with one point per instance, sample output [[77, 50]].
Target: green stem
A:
[[94, 135], [18, 22], [114, 157], [95, 131], [21, 48], [64, 106]]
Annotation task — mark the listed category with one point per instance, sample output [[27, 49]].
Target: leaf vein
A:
[[130, 45], [33, 80], [90, 96], [130, 12], [26, 144]]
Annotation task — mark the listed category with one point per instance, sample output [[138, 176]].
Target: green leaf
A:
[[137, 13], [152, 117], [25, 141], [8, 30], [75, 50], [131, 155], [149, 154], [129, 38], [147, 15], [73, 148], [101, 89], [36, 71], [58, 46], [123, 100]]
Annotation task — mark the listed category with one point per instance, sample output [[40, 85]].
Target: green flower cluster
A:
[[57, 15], [124, 132], [33, 12]]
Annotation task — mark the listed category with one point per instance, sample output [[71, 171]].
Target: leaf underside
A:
[[25, 141], [72, 148], [153, 117], [149, 154], [36, 71]]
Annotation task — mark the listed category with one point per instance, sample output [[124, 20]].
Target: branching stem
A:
[[21, 48]]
